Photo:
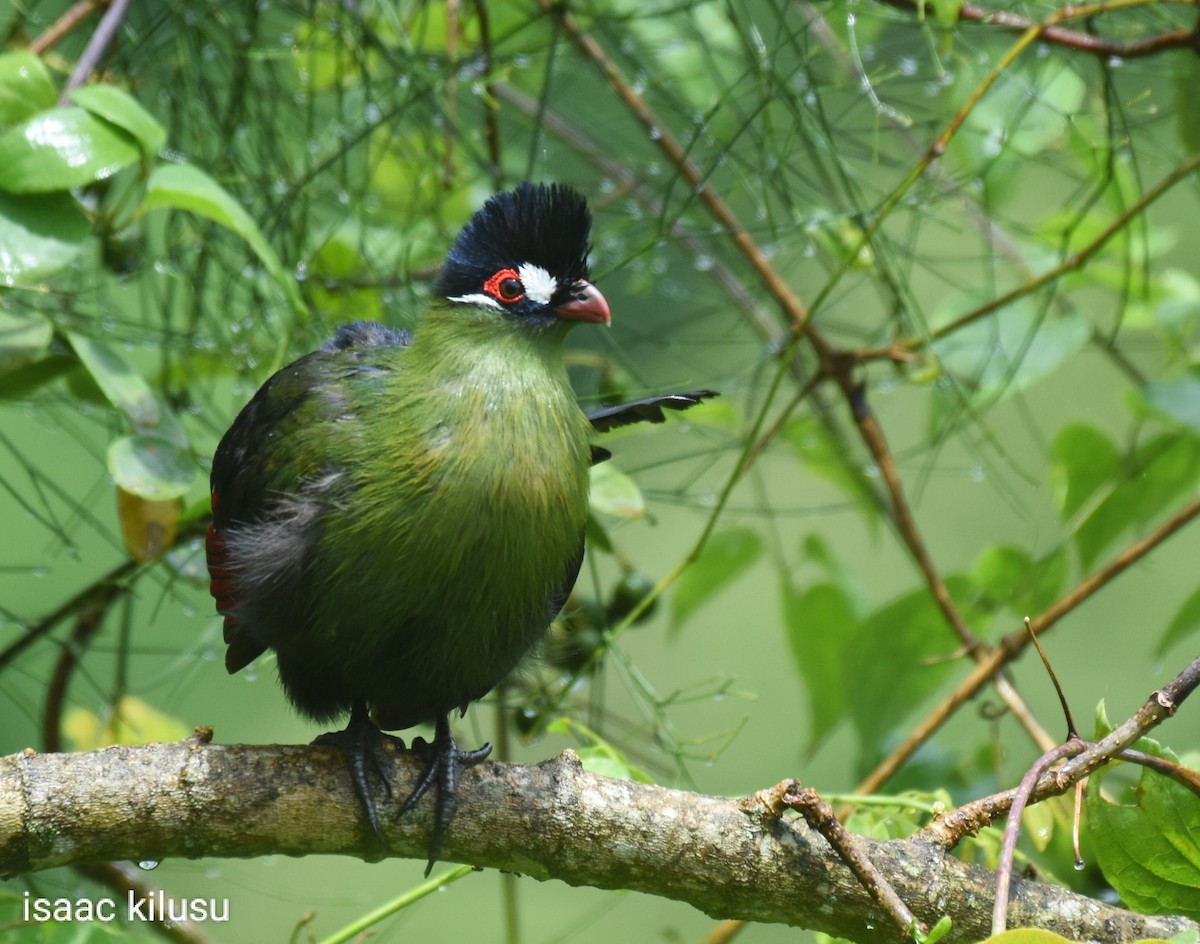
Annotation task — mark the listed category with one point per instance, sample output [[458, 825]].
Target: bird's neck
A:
[[466, 352]]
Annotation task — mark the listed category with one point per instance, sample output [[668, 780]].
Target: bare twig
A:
[[1012, 828], [832, 363], [725, 932], [778, 287], [899, 350], [948, 828], [96, 47], [491, 128], [1072, 39], [65, 23], [1013, 644], [1072, 731], [819, 815], [95, 596], [1183, 776]]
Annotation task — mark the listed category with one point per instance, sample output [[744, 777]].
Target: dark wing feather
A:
[[245, 476], [646, 410]]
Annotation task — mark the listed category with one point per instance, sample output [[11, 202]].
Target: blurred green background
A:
[[1033, 444]]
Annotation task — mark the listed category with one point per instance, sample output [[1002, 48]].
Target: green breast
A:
[[470, 500]]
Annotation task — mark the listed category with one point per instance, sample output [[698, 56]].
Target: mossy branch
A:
[[731, 858]]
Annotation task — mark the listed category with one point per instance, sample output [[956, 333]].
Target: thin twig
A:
[[450, 96], [491, 128], [1012, 645], [1184, 776], [1072, 731], [64, 24], [948, 828], [831, 363], [725, 932], [96, 595], [778, 287], [1012, 828], [819, 815], [96, 47], [902, 351], [1057, 35]]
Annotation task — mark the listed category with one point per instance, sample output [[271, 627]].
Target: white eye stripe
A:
[[477, 298], [539, 284]]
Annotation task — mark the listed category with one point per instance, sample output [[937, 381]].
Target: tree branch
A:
[[729, 858]]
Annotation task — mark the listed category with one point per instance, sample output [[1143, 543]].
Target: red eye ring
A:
[[505, 286]]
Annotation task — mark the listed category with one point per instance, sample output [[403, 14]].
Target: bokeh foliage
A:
[[984, 239]]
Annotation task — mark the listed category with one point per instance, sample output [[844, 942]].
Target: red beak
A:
[[586, 305]]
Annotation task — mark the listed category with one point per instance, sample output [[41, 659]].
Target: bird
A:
[[400, 515]]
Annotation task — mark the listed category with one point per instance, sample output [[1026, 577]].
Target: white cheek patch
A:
[[539, 284], [477, 298]]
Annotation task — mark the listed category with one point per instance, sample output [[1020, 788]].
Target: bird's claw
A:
[[363, 744], [444, 763]]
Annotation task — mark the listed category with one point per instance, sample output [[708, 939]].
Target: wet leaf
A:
[[726, 556], [39, 235], [184, 187], [148, 527], [63, 148], [123, 110], [615, 493], [151, 468], [23, 338], [25, 87]]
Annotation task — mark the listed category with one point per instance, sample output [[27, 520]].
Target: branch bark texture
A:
[[729, 858]]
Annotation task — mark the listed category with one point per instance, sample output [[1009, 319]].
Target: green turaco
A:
[[399, 517]]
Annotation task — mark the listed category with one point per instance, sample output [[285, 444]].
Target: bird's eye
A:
[[510, 289], [505, 286]]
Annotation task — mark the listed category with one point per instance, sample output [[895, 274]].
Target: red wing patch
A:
[[242, 648]]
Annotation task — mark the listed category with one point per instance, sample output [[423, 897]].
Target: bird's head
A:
[[524, 255]]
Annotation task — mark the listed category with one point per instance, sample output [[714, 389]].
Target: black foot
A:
[[362, 743], [444, 762]]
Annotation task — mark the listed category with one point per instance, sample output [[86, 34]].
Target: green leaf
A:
[[128, 391], [1025, 116], [1013, 579], [25, 87], [904, 646], [596, 534], [23, 338], [938, 931], [151, 467], [821, 625], [184, 187], [1082, 459], [39, 235], [20, 382], [1179, 399], [121, 385], [1187, 80], [827, 457], [1149, 851], [1153, 478], [130, 721], [63, 148], [1185, 622], [123, 110], [1026, 936], [993, 358], [615, 493], [725, 556]]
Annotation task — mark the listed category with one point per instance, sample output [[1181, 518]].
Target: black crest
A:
[[545, 224]]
